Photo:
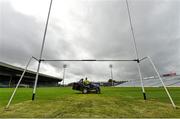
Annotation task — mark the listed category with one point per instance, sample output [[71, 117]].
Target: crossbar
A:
[[90, 60]]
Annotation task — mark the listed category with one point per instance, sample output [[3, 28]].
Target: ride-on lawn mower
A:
[[86, 88]]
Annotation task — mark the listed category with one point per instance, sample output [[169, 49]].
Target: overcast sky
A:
[[91, 29]]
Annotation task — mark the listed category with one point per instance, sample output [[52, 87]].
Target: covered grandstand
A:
[[9, 76]]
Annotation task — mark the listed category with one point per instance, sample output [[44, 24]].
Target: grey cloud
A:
[[156, 25], [19, 35]]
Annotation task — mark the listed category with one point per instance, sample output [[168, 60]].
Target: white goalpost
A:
[[137, 60]]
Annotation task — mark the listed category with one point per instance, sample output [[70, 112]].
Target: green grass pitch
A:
[[111, 103]]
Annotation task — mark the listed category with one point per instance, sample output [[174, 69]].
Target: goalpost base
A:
[[33, 96], [144, 95]]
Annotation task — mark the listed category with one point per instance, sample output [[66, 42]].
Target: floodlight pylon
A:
[[64, 72], [111, 72]]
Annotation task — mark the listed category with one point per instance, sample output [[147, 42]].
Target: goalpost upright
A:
[[42, 47], [136, 50]]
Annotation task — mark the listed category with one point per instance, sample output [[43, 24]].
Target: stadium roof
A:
[[18, 70]]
